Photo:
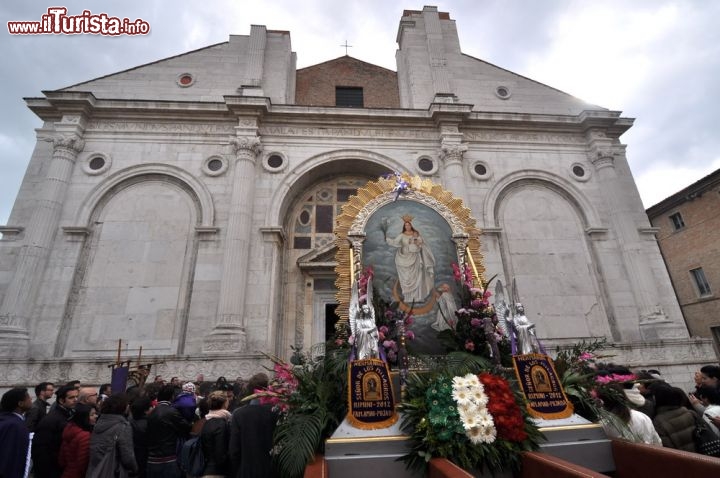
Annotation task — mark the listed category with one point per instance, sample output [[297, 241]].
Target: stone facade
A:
[[689, 239], [184, 205]]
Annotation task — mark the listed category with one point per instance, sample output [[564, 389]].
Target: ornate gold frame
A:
[[350, 229]]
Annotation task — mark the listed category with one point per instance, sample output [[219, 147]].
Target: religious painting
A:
[[410, 248], [411, 232]]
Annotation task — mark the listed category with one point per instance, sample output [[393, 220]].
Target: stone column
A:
[[623, 214], [19, 300], [451, 153], [228, 336]]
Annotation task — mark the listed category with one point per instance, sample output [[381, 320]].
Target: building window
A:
[[677, 221], [349, 96], [701, 282], [314, 219]]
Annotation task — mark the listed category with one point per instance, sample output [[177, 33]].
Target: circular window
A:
[[480, 170], [96, 163], [502, 92], [426, 165], [185, 79], [304, 217], [215, 166], [274, 162], [579, 172]]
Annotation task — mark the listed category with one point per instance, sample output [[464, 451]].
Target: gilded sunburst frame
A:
[[350, 229]]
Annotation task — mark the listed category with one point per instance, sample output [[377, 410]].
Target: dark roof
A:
[[689, 193]]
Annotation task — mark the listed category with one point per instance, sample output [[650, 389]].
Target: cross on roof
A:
[[346, 47]]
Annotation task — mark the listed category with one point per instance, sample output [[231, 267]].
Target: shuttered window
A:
[[349, 96]]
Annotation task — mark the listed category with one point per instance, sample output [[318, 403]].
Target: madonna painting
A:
[[409, 246]]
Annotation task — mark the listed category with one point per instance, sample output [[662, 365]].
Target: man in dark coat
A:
[[165, 426], [251, 436], [48, 434], [44, 392], [14, 435]]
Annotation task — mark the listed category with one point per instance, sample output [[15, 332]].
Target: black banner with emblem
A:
[[541, 386], [371, 403]]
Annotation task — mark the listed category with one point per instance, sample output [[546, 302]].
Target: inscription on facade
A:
[[347, 132]]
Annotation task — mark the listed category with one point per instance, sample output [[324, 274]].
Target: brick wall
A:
[[695, 245], [315, 85]]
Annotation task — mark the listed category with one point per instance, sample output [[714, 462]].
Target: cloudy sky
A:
[[656, 60]]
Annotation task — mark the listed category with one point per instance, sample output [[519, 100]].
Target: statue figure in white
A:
[[363, 328]]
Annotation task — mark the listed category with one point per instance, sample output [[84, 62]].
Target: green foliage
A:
[[575, 368], [450, 441], [316, 408]]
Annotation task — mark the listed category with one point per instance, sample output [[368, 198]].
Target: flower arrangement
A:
[[473, 419], [310, 400], [474, 328], [402, 186]]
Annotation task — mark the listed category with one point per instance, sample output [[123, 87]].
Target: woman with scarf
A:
[[215, 436]]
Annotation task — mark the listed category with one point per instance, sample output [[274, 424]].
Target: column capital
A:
[[244, 146], [603, 157], [450, 152], [72, 142]]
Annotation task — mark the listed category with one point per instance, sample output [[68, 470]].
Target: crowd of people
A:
[[93, 432], [644, 408]]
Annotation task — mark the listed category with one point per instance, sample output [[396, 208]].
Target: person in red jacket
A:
[[75, 448]]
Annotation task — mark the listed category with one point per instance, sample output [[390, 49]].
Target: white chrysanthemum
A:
[[466, 408], [475, 435], [488, 434], [470, 421], [461, 396], [459, 382], [472, 380], [484, 419]]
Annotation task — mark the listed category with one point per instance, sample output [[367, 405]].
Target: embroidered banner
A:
[[371, 403], [541, 386]]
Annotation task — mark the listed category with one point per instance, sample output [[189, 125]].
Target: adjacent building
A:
[[688, 225], [187, 206]]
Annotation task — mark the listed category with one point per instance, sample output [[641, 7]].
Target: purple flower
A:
[[383, 329], [476, 322], [476, 304], [389, 314], [410, 335]]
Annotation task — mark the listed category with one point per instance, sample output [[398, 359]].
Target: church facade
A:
[[187, 206]]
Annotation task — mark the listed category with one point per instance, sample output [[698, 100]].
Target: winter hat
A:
[[189, 387]]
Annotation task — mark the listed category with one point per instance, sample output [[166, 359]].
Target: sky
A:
[[657, 61]]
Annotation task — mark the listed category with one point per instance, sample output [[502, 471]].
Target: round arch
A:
[[586, 210], [198, 191], [314, 168]]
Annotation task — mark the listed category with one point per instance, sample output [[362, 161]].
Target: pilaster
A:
[[17, 305], [229, 334]]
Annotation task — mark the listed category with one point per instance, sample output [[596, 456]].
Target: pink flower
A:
[[389, 344], [410, 335], [476, 304], [389, 314], [383, 329], [469, 345], [476, 322], [586, 356], [339, 342], [475, 291], [487, 294], [456, 271], [409, 320], [351, 340], [381, 336]]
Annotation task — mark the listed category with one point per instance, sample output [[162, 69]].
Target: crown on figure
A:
[[407, 218]]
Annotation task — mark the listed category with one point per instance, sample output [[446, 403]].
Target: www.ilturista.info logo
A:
[[57, 22]]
